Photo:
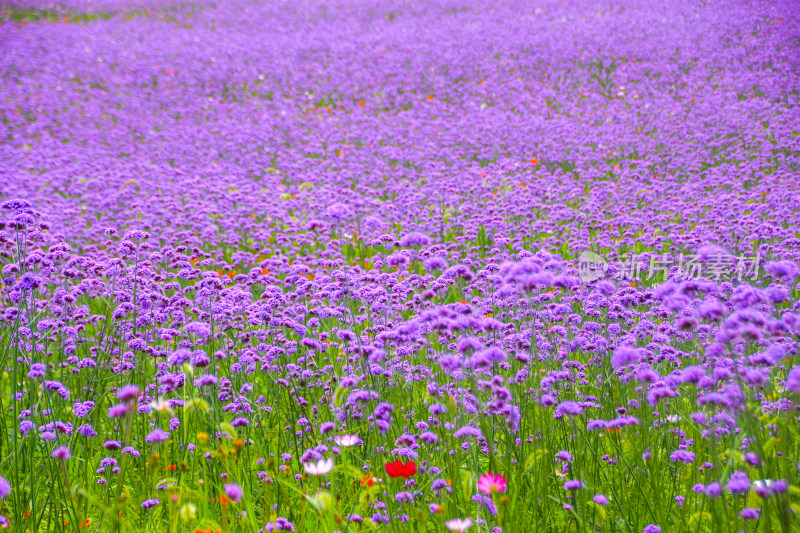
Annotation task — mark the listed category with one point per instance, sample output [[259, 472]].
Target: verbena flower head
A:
[[234, 492], [156, 436], [127, 393], [61, 453]]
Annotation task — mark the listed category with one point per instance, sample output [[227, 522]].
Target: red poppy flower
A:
[[399, 469]]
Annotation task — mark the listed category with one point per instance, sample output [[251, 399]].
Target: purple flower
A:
[[87, 431], [156, 436], [234, 492], [127, 393], [713, 490], [564, 455], [793, 379], [37, 371], [117, 410], [569, 408], [61, 453], [467, 431], [198, 329], [28, 282], [15, 204], [205, 380], [547, 400], [415, 239], [750, 513], [739, 483], [428, 437], [147, 504], [682, 456], [82, 409], [623, 356], [783, 269]]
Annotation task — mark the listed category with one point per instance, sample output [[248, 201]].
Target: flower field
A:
[[383, 265]]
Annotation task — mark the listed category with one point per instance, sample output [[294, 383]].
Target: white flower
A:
[[162, 406], [346, 441], [321, 500], [458, 524], [188, 512], [320, 468]]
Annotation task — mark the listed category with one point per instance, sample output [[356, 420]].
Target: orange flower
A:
[[367, 481], [534, 161]]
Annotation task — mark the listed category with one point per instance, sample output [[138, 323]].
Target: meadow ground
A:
[[399, 266]]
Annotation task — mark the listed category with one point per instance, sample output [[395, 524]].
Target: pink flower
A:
[[62, 453], [458, 524], [491, 483]]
